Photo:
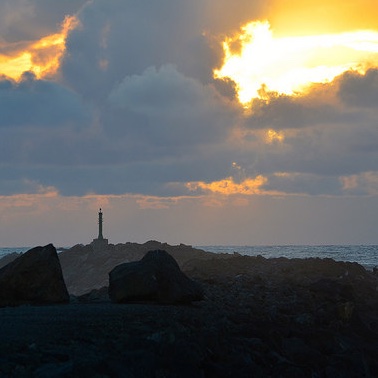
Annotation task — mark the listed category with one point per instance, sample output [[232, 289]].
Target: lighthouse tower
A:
[[100, 243], [100, 237]]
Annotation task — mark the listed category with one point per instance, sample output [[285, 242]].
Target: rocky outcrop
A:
[[157, 277], [260, 317], [86, 269], [33, 278]]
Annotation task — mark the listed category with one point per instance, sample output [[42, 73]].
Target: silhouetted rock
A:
[[260, 317], [5, 260], [33, 278], [156, 277], [94, 296], [85, 268]]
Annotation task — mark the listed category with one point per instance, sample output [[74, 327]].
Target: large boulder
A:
[[33, 278], [156, 277]]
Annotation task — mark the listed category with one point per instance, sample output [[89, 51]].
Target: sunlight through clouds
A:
[[41, 57], [255, 58], [228, 186]]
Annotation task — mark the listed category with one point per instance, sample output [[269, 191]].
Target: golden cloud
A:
[[228, 186], [41, 57]]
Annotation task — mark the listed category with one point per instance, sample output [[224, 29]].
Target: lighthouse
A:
[[100, 237], [100, 243]]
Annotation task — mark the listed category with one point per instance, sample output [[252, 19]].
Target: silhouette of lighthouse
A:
[[100, 237], [100, 243]]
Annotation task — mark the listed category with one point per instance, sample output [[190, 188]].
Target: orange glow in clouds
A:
[[41, 57], [258, 62], [228, 186]]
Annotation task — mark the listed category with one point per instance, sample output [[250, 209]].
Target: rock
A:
[[155, 277], [94, 296], [5, 260], [85, 268], [33, 278]]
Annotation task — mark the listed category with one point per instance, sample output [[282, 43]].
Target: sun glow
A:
[[273, 136], [258, 62], [42, 57], [228, 186]]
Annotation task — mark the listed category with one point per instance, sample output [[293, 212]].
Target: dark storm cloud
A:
[[306, 183], [11, 13], [121, 38], [324, 150], [33, 102], [26, 20], [41, 122], [169, 109], [282, 112], [160, 127], [359, 90]]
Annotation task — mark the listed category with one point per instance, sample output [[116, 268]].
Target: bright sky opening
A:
[[256, 59], [41, 57]]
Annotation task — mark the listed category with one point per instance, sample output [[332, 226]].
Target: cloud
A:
[[135, 109], [13, 13], [228, 186], [30, 20], [329, 131], [304, 184], [134, 121], [122, 38], [33, 102], [169, 109], [359, 90], [365, 183], [287, 112], [41, 123], [158, 128]]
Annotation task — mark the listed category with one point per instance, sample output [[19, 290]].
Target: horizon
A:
[[198, 122], [203, 245]]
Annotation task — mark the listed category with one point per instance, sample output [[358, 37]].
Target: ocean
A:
[[365, 255], [7, 250]]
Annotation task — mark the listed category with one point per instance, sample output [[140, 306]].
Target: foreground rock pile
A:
[[259, 318], [296, 318]]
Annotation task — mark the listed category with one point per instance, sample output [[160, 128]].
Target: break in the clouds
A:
[[135, 103]]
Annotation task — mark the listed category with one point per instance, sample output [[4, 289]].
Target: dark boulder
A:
[[156, 277], [33, 278]]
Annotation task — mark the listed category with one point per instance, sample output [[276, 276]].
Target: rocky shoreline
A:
[[259, 318]]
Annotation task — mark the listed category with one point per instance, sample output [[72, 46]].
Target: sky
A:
[[203, 122]]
